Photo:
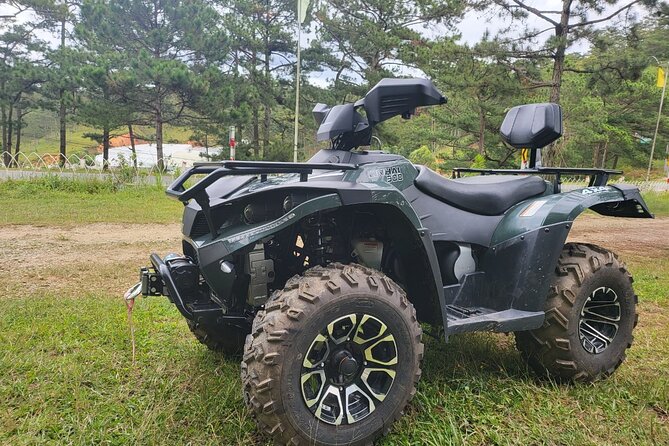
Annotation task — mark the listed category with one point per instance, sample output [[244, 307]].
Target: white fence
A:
[[34, 164]]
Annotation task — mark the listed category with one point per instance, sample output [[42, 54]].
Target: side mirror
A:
[[532, 126]]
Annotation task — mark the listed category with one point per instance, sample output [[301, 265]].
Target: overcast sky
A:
[[475, 23]]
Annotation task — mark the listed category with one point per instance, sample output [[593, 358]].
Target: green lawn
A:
[[53, 201], [658, 202], [67, 377]]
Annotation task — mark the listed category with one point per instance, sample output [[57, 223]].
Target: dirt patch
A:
[[39, 246], [629, 237], [89, 257]]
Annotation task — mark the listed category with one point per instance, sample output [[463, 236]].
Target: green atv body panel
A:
[[476, 253], [516, 252], [613, 200]]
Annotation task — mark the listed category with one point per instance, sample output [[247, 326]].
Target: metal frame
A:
[[598, 177], [216, 171]]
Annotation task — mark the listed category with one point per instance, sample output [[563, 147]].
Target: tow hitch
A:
[[151, 284]]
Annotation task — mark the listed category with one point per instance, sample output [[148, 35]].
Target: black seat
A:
[[484, 194]]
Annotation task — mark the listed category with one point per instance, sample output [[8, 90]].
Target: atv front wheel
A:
[[590, 315], [226, 339], [333, 359]]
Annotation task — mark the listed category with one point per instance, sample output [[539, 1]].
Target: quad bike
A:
[[320, 274]]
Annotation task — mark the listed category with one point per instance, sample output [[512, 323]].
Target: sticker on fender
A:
[[532, 209], [594, 189]]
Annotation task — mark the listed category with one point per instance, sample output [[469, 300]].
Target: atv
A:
[[320, 274]]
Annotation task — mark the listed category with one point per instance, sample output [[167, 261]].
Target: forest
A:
[[139, 67]]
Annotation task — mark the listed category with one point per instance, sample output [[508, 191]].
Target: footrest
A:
[[485, 319]]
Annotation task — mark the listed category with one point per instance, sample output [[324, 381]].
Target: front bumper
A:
[[177, 278]]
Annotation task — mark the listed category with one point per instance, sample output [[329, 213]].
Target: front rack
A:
[[598, 177], [217, 170]]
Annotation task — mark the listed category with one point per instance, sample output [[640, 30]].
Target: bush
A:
[[58, 183], [424, 157]]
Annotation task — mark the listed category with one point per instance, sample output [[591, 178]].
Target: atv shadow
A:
[[476, 356]]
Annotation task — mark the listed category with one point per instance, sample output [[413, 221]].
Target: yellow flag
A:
[[660, 77]]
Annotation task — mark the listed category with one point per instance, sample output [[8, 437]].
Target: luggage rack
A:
[[217, 170], [598, 177]]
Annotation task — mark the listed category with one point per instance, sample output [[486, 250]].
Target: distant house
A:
[[122, 141], [176, 156]]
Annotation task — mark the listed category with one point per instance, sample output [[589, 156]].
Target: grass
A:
[[54, 201], [67, 377], [658, 203]]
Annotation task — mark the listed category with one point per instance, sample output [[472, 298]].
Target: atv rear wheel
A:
[[333, 359], [226, 339], [590, 315]]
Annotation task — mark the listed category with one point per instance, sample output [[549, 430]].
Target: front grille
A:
[[200, 226]]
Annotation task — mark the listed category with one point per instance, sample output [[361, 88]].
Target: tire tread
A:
[[547, 349], [302, 296]]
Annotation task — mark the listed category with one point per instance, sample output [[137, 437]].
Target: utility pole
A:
[[297, 94], [302, 6], [665, 68], [666, 162]]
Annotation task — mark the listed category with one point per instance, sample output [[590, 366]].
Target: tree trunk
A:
[[19, 125], [61, 109], [606, 148], [63, 128], [561, 34], [105, 147], [5, 150], [256, 133], [254, 82], [267, 93], [10, 130], [131, 134], [596, 154], [481, 131], [549, 155], [159, 141], [266, 124]]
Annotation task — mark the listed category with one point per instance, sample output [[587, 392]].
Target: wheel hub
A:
[[349, 369], [345, 364], [599, 319]]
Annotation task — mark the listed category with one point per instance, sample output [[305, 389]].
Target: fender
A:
[[211, 252], [533, 234], [616, 200]]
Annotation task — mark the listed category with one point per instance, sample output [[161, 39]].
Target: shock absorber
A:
[[319, 234]]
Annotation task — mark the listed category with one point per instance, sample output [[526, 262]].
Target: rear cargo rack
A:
[[217, 170], [598, 177]]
